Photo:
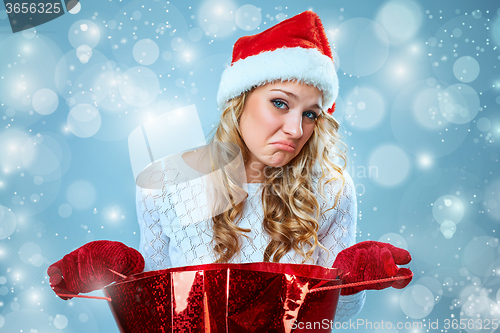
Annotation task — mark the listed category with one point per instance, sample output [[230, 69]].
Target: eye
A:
[[279, 103], [311, 115]]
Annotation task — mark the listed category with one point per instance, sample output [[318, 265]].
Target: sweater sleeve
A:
[[337, 233], [154, 243]]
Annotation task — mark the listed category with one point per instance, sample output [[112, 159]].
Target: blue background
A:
[[418, 106]]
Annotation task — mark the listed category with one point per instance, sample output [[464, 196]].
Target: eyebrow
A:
[[292, 95]]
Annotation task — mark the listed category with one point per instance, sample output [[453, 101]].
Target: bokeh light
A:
[[27, 67], [479, 255], [492, 199], [84, 32], [216, 18], [401, 19], [417, 301], [394, 239], [139, 86], [8, 222], [146, 51], [69, 72], [459, 103], [433, 285], [392, 163], [46, 155], [81, 194], [84, 120], [84, 53], [448, 207], [31, 253], [430, 130], [60, 321], [65, 210], [45, 101], [363, 46], [466, 69], [365, 108], [248, 17]]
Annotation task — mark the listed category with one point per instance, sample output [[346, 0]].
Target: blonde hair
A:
[[291, 210]]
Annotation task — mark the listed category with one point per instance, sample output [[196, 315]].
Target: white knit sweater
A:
[[166, 243]]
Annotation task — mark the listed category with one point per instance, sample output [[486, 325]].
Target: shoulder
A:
[[338, 204], [335, 181], [336, 190], [349, 187]]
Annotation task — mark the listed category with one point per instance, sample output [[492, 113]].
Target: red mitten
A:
[[372, 260], [87, 268]]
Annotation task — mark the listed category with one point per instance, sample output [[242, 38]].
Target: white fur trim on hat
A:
[[309, 66]]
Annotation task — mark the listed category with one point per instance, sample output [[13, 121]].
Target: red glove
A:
[[372, 260], [87, 268]]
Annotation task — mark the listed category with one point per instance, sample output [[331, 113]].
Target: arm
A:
[[337, 233], [99, 263], [154, 242]]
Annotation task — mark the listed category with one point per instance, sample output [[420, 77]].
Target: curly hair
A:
[[291, 210]]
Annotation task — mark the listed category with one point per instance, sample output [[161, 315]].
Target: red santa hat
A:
[[294, 49]]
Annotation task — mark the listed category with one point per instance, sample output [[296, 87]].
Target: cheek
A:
[[257, 124], [308, 131], [249, 125]]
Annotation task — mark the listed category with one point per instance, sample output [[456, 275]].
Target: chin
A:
[[278, 164], [275, 165]]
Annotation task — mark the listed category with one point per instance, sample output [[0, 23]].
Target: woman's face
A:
[[278, 112]]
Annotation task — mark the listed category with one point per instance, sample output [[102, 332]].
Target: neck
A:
[[255, 172]]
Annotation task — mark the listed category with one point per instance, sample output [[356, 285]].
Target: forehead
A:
[[297, 88], [306, 93]]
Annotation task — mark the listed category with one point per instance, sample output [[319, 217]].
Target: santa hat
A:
[[294, 49]]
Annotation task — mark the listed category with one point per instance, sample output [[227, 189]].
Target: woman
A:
[[277, 99]]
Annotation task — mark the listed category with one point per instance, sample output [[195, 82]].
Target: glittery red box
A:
[[223, 298]]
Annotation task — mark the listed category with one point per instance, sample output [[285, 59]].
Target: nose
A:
[[293, 125]]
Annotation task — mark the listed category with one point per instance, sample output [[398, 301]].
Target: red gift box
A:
[[227, 298]]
